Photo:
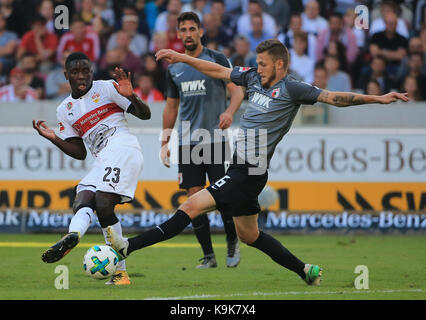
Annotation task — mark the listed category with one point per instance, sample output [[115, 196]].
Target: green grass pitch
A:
[[396, 270]]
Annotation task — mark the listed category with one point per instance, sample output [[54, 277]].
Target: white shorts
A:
[[116, 169]]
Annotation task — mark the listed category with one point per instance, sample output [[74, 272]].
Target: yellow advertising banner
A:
[[292, 196]]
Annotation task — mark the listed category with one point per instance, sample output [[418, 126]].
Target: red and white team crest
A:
[[95, 97], [244, 69], [69, 105], [275, 93], [61, 127]]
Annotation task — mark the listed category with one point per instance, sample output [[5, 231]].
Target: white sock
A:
[[81, 221], [117, 228]]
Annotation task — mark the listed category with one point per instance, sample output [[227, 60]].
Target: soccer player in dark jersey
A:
[[201, 104], [274, 99]]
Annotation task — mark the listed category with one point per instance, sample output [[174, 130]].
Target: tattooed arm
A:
[[346, 99]]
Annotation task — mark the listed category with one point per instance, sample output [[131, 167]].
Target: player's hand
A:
[[392, 97], [124, 86], [165, 155], [225, 120], [169, 55], [44, 130]]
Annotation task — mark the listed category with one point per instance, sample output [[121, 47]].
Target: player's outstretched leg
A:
[[83, 217], [61, 248], [170, 228], [199, 203], [249, 233], [120, 277], [313, 274], [105, 204]]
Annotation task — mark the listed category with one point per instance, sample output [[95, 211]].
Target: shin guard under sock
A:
[[172, 227], [281, 255]]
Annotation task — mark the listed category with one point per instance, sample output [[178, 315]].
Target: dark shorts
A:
[[192, 173], [237, 191]]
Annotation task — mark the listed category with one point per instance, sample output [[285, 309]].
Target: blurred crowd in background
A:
[[328, 48]]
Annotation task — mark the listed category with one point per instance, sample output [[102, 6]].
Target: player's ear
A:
[[66, 74], [201, 32], [279, 64]]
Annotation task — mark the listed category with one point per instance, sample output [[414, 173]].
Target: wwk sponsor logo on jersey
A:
[[260, 100], [194, 87]]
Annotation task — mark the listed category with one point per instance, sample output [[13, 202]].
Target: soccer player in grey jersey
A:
[[274, 100], [201, 103]]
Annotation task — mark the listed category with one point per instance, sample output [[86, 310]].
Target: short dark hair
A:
[[76, 56], [336, 14], [276, 49], [255, 2], [191, 16], [38, 19], [301, 35]]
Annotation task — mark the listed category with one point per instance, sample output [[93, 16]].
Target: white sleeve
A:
[[65, 128], [112, 93]]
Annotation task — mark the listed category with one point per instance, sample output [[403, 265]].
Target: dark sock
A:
[[229, 227], [273, 248], [201, 227], [172, 227], [108, 220]]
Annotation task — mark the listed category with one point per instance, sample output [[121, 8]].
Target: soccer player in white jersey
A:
[[93, 115]]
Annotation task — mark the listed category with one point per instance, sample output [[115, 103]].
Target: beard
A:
[[191, 46], [268, 80]]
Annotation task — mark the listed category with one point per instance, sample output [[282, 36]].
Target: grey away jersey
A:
[[269, 113], [202, 99]]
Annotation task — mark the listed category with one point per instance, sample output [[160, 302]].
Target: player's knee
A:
[[104, 203], [247, 236], [77, 205], [84, 199], [189, 208]]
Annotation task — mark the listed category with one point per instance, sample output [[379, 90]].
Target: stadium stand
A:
[[396, 36]]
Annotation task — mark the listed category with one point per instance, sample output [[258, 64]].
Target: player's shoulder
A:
[[291, 82], [213, 53], [102, 83], [103, 86], [299, 89], [246, 72], [216, 56]]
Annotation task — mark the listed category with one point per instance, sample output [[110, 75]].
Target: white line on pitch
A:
[[208, 296]]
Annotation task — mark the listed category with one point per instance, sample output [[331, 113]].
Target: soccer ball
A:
[[267, 197], [100, 262]]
